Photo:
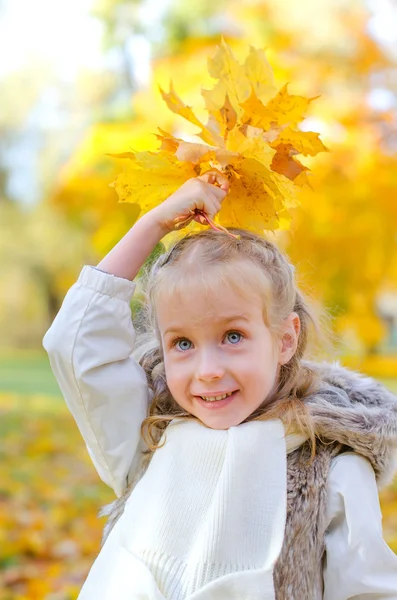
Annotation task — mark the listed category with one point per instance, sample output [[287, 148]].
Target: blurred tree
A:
[[42, 118], [17, 100], [122, 23], [39, 255]]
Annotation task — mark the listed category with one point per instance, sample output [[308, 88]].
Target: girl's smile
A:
[[216, 401]]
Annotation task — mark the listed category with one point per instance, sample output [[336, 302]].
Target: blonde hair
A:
[[248, 263]]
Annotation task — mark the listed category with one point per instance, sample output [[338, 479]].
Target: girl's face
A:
[[216, 344]]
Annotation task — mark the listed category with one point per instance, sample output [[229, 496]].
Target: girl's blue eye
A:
[[234, 337], [178, 344], [183, 344]]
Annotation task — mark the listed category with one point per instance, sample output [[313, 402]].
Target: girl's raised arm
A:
[[90, 346], [91, 340]]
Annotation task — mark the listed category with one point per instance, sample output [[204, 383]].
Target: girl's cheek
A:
[[175, 373]]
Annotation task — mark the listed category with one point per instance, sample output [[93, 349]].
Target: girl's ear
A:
[[289, 338]]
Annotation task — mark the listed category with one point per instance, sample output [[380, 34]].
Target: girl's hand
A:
[[204, 193]]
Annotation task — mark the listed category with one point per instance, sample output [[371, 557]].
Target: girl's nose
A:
[[209, 368]]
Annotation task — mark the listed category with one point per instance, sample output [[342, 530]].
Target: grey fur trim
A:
[[357, 411]]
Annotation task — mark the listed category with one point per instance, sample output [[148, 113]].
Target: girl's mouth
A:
[[212, 402]]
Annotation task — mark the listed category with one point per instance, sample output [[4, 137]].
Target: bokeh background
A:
[[78, 81]]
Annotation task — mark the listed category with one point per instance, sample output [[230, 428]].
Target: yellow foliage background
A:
[[342, 238]]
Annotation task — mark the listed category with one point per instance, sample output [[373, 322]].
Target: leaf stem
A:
[[185, 220]]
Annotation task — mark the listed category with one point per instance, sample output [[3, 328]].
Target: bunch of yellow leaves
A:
[[251, 135]]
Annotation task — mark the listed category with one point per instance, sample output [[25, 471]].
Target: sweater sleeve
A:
[[90, 346], [359, 565]]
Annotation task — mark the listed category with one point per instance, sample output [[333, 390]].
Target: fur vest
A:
[[351, 412]]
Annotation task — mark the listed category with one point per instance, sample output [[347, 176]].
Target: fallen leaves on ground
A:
[[49, 498]]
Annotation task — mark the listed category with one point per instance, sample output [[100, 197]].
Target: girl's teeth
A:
[[215, 398]]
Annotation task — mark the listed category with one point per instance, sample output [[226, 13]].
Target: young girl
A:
[[256, 475]]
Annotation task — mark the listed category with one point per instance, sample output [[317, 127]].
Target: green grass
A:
[[27, 373]]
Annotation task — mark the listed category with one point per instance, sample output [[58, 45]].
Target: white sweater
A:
[[207, 519]]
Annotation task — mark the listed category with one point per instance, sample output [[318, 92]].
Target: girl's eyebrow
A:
[[221, 320]]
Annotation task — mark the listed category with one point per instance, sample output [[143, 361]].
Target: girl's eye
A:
[[182, 344], [234, 337]]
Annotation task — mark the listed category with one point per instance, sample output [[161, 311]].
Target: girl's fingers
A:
[[219, 193], [210, 206], [216, 178], [216, 203], [209, 200], [209, 203]]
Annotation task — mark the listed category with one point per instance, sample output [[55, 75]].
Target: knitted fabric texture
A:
[[350, 412]]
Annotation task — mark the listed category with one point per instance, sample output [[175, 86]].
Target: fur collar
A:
[[358, 412]]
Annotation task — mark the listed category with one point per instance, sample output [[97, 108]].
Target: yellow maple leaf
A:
[[168, 142], [232, 79], [250, 143], [241, 207], [251, 135], [150, 178], [228, 115], [305, 142], [177, 106], [288, 108], [256, 113], [259, 74]]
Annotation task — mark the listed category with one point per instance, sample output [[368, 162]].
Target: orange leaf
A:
[[228, 114], [284, 163], [168, 142]]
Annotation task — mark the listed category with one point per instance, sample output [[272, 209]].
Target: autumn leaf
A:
[[175, 104], [256, 113], [284, 162], [251, 135], [259, 74], [228, 115], [168, 142], [305, 142], [232, 79], [150, 177], [241, 209], [288, 108]]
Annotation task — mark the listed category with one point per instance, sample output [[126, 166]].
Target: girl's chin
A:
[[218, 419], [220, 423]]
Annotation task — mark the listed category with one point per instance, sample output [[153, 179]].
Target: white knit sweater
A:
[[206, 520]]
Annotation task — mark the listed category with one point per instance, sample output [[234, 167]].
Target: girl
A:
[[256, 475]]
